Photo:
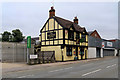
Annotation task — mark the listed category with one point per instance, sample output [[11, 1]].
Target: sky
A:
[[30, 17]]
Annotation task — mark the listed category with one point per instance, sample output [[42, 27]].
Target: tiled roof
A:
[[67, 24], [90, 32]]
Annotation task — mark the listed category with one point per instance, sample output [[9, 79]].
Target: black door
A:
[[77, 52], [82, 52], [85, 54], [98, 55]]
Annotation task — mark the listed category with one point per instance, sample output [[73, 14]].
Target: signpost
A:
[[29, 42], [28, 46]]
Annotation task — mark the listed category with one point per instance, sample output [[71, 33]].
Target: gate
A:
[[46, 56]]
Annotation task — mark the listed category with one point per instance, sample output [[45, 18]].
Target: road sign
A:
[[33, 56], [29, 42]]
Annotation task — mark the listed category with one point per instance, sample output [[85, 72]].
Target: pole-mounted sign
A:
[[29, 42], [28, 46]]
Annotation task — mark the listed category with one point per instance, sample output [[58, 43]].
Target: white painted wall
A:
[[91, 52], [115, 52], [101, 52]]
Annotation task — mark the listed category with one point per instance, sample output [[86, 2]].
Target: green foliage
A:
[[17, 35], [5, 36], [82, 40]]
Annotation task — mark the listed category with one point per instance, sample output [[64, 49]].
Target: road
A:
[[103, 68]]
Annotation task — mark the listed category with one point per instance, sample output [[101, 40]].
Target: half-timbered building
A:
[[68, 39]]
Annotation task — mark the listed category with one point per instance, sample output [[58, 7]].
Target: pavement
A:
[[12, 67], [92, 68]]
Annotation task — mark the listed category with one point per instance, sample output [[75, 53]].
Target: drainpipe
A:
[[62, 56]]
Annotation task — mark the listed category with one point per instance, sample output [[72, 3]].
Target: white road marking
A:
[[68, 68], [21, 77], [91, 72], [56, 70], [24, 76], [60, 69], [111, 66]]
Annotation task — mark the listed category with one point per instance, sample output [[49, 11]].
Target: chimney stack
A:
[[76, 20], [51, 12]]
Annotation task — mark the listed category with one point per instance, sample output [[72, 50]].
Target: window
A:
[[83, 38], [81, 51], [69, 51], [77, 36], [71, 35]]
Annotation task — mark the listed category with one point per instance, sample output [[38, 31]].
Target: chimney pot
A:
[[52, 8], [76, 17], [51, 12], [75, 20]]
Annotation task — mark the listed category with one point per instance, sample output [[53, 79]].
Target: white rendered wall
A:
[[91, 52], [101, 52], [115, 52]]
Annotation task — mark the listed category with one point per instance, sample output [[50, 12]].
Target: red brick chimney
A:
[[51, 12], [76, 20]]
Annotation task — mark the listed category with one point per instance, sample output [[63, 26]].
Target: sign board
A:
[[109, 44], [29, 42], [51, 35], [103, 45], [33, 56]]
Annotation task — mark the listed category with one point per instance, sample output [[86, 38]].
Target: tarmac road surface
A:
[[103, 68]]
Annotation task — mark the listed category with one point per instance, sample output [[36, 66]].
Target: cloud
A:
[[30, 17]]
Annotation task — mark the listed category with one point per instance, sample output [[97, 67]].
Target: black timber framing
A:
[[47, 31], [53, 31], [45, 36], [58, 32], [63, 36]]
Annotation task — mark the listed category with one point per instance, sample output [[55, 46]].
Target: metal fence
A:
[[46, 56], [14, 52]]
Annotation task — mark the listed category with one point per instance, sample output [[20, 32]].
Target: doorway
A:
[[77, 52]]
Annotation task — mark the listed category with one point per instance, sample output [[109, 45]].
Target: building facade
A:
[[94, 45], [98, 47], [66, 38], [110, 47]]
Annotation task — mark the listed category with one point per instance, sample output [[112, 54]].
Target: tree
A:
[[5, 36], [17, 35]]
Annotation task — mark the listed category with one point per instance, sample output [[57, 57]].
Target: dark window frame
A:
[[82, 51], [69, 51], [77, 35], [83, 38], [71, 35]]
